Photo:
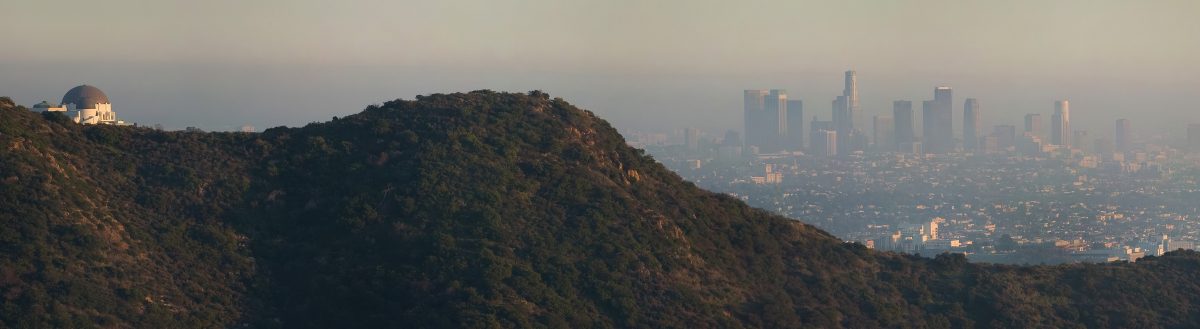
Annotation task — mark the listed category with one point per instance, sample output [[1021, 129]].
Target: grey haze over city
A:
[[655, 66]]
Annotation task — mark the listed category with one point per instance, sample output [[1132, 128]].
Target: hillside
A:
[[480, 209]]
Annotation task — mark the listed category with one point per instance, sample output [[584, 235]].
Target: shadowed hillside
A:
[[480, 209]]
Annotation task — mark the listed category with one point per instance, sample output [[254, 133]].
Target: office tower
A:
[[884, 133], [927, 125], [824, 143], [1033, 124], [851, 92], [775, 108], [944, 100], [847, 117], [842, 122], [937, 118], [902, 113], [766, 119], [817, 125], [691, 138], [795, 125], [943, 94], [823, 138], [971, 125], [1006, 136], [830, 142], [841, 114], [754, 116], [1060, 124], [1122, 136], [1193, 137]]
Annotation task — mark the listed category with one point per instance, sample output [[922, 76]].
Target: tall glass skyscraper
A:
[[1122, 136], [766, 119], [971, 124], [775, 106], [753, 116], [851, 93], [937, 120], [1060, 124], [847, 116]]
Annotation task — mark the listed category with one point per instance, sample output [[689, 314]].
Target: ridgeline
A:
[[478, 209]]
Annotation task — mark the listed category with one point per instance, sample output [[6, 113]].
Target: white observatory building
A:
[[85, 105]]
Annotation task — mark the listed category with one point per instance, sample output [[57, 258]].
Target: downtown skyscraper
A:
[[775, 105], [1122, 136], [766, 119], [850, 90], [937, 121], [753, 117], [906, 135], [971, 125], [1060, 124], [795, 125], [847, 116], [822, 138], [1033, 125]]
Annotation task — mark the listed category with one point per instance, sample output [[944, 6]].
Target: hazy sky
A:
[[640, 64]]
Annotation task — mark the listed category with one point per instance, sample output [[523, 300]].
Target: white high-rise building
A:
[[847, 116], [971, 125], [851, 93], [1060, 124], [754, 114], [937, 117]]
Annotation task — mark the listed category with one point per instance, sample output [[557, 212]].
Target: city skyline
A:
[[939, 133]]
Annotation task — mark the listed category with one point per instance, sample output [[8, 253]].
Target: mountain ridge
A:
[[478, 209]]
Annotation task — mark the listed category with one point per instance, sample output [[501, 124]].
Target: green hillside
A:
[[479, 209]]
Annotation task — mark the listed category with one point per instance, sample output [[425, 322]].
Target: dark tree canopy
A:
[[478, 209]]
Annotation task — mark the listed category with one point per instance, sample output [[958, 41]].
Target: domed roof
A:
[[85, 97]]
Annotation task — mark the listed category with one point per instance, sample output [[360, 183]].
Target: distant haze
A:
[[651, 65]]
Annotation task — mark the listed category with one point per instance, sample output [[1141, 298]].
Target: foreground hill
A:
[[471, 210]]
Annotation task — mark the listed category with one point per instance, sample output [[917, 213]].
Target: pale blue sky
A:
[[640, 64]]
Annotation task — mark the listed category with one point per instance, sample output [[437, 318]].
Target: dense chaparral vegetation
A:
[[478, 209]]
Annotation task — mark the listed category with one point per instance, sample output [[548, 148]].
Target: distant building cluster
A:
[[916, 238], [768, 127], [1056, 210], [1040, 191], [769, 176], [774, 122], [85, 105]]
